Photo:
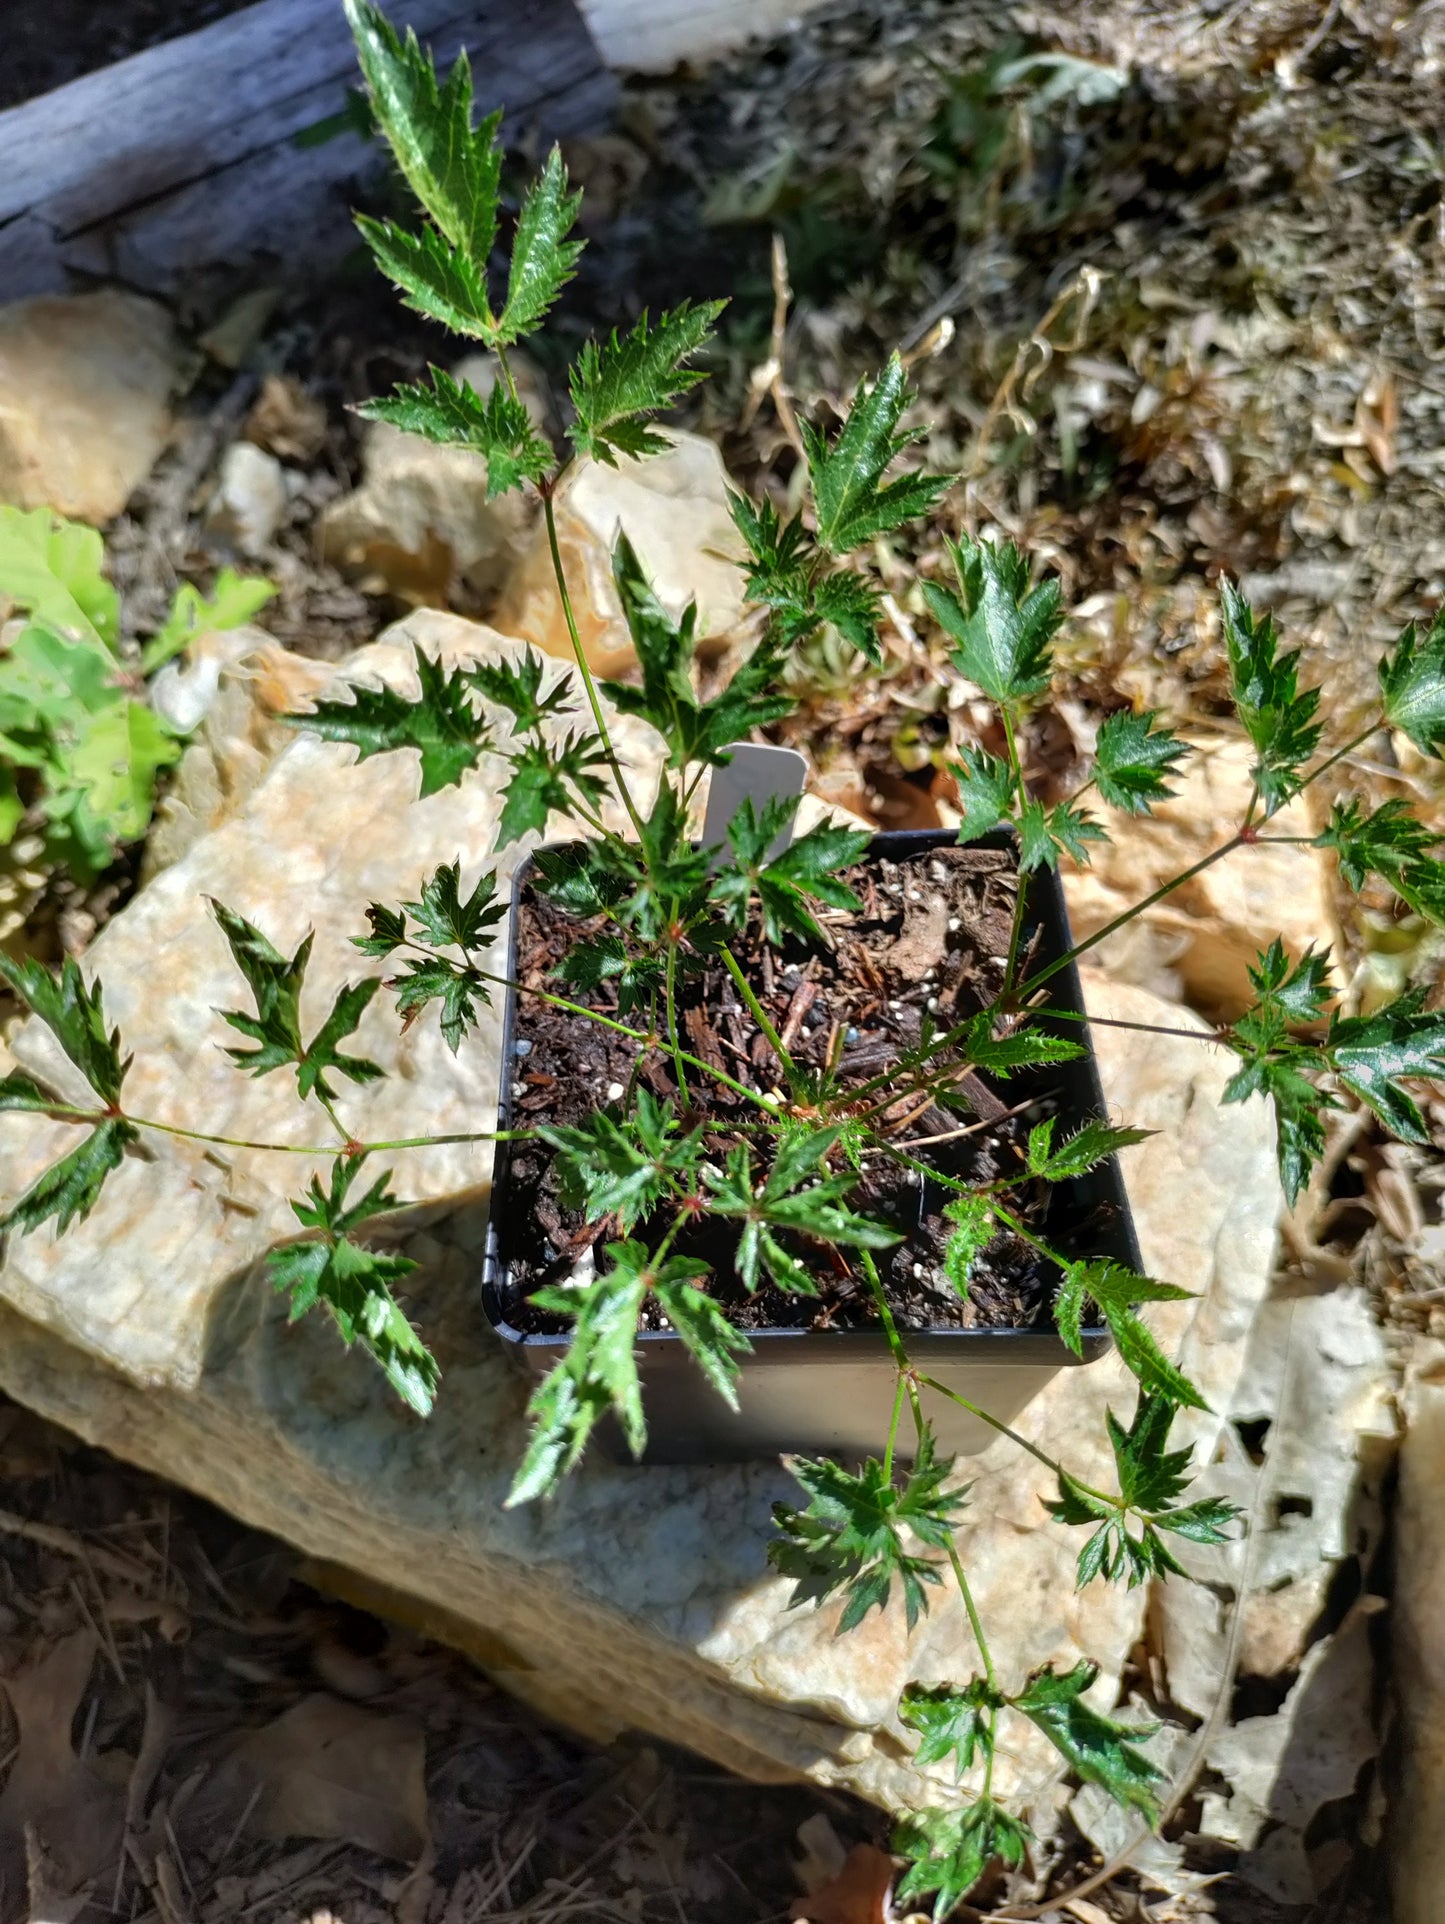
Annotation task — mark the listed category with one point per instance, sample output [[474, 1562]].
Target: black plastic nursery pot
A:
[[830, 1392]]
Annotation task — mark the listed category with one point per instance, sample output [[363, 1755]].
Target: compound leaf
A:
[[68, 1189], [617, 385], [452, 413], [438, 721], [851, 502], [1279, 720], [1133, 760]]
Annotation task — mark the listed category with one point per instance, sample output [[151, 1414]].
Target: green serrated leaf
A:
[[625, 1166], [693, 731], [1373, 1054], [517, 687], [617, 385], [275, 984], [452, 413], [1412, 683], [985, 793], [1089, 1145], [948, 1851], [851, 502], [1133, 761], [438, 721], [1003, 629], [951, 1723], [453, 168], [851, 1535], [805, 871], [1117, 1290], [1097, 1747], [388, 931], [445, 920], [973, 1226], [1390, 843], [74, 1015], [1299, 1109], [69, 1189], [543, 259], [435, 979], [1047, 833], [598, 1372], [1025, 1048], [712, 1341], [546, 777], [1279, 720], [355, 1284], [433, 278]]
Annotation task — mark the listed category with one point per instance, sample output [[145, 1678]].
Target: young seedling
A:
[[774, 1161]]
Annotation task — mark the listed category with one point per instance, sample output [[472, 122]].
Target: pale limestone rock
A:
[[85, 382], [637, 1598], [673, 508], [311, 845], [249, 500], [1201, 938], [421, 520], [1417, 1818], [233, 686]]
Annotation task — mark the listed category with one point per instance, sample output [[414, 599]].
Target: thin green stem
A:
[[1045, 974], [966, 1592], [1220, 1038], [1021, 899], [579, 655], [975, 1409], [893, 1427], [1328, 763], [506, 366], [66, 1112], [633, 1035], [671, 995], [337, 1124], [759, 1013]]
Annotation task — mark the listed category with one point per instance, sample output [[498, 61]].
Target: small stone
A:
[[519, 1089], [615, 1091], [249, 500], [674, 511], [522, 1046], [421, 523], [954, 925], [85, 384], [915, 895], [850, 1034]]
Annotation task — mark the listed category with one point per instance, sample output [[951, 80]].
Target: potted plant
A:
[[786, 1090], [842, 1012]]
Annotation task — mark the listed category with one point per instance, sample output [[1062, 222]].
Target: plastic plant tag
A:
[[756, 774]]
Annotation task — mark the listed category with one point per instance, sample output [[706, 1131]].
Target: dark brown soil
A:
[[931, 941]]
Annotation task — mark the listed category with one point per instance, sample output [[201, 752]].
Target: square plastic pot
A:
[[830, 1392]]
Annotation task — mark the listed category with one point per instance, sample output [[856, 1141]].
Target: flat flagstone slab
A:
[[638, 1598]]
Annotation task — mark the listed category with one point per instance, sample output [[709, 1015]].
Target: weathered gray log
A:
[[183, 159]]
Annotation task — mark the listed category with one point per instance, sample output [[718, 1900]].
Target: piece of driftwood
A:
[[181, 163], [653, 35]]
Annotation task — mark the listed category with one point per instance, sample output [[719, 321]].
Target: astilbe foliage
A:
[[783, 1184]]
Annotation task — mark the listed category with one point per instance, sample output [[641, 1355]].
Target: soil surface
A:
[[930, 945]]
